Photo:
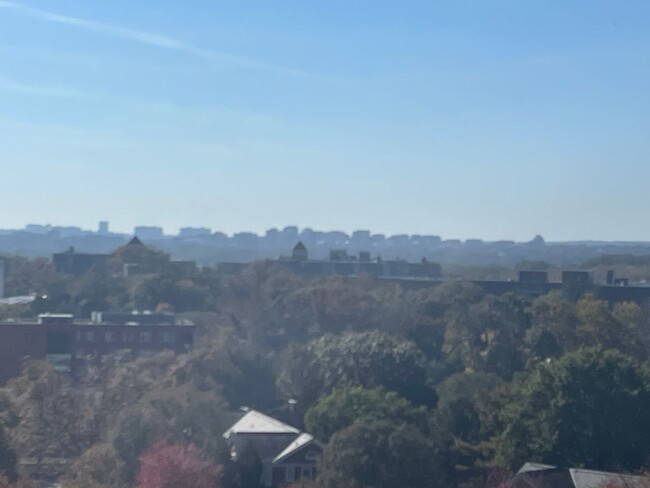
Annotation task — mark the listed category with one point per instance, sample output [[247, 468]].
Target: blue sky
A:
[[490, 119]]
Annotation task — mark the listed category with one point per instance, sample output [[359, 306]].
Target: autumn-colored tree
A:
[[43, 400], [25, 276], [174, 413], [176, 466], [98, 467]]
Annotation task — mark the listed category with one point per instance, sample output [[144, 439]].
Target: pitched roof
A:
[[586, 478], [535, 475], [299, 247], [528, 467], [255, 422], [301, 441], [542, 478], [135, 242]]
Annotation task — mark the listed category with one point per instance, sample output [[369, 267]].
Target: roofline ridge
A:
[[272, 419], [277, 423]]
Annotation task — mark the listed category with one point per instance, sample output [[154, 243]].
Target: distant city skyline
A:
[[104, 227], [211, 247], [491, 120]]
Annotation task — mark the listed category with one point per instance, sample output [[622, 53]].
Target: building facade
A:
[[68, 344], [344, 264], [75, 263]]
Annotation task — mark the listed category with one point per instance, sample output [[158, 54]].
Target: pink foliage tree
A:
[[174, 466]]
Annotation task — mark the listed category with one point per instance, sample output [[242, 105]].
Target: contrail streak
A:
[[148, 38]]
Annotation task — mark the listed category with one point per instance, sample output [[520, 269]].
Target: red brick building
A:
[[68, 343]]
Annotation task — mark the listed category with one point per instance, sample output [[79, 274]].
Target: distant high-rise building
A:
[[246, 239], [148, 232], [291, 230], [194, 232], [361, 235], [103, 227], [68, 231], [38, 228], [272, 237]]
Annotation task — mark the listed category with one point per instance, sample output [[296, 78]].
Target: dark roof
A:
[[272, 439], [544, 478], [535, 475], [300, 247], [135, 242]]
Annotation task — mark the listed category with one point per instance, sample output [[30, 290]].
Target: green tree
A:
[[435, 312], [459, 399], [381, 454], [459, 421], [368, 359], [243, 374], [428, 312], [633, 330], [553, 326], [596, 325], [485, 335], [344, 406], [589, 408]]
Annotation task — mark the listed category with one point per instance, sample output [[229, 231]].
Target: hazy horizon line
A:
[[300, 229]]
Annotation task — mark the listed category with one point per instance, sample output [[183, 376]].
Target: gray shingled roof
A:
[[254, 422], [301, 441], [536, 475]]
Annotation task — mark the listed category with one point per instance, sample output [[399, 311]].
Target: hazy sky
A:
[[491, 119]]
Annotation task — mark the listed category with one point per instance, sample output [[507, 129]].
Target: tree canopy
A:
[[444, 384], [381, 454], [589, 408], [366, 359], [344, 406]]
